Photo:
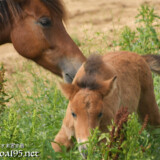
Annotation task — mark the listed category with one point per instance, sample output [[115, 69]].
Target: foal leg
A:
[[64, 135], [61, 139], [148, 106]]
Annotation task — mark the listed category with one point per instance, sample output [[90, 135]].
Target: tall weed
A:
[[144, 39]]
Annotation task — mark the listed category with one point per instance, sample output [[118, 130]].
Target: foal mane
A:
[[10, 9], [93, 66]]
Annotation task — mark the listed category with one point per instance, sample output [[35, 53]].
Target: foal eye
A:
[[45, 22], [100, 115], [74, 115]]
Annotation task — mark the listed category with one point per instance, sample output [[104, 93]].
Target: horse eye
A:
[[45, 22], [100, 115], [74, 115]]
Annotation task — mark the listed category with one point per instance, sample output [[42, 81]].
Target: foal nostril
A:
[[82, 148]]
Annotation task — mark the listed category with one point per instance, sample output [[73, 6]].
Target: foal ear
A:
[[69, 90], [109, 86]]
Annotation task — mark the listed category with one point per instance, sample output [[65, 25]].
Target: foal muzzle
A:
[[82, 148]]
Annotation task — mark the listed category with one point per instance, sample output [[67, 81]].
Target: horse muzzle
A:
[[69, 68], [82, 148]]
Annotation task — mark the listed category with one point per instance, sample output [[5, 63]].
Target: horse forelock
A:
[[10, 9], [89, 82]]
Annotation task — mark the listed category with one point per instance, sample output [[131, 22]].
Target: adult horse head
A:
[[35, 27]]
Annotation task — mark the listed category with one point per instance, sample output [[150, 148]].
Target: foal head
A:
[[35, 27], [86, 104]]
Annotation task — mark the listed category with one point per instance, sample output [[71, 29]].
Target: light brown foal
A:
[[101, 86]]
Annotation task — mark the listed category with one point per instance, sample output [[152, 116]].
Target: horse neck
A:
[[5, 35]]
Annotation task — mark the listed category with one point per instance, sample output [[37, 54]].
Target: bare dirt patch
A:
[[104, 15]]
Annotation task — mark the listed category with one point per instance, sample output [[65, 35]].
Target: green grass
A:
[[34, 114], [145, 39]]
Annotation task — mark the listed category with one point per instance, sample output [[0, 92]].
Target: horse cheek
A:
[[28, 40]]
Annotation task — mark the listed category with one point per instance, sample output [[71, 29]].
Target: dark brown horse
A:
[[35, 27]]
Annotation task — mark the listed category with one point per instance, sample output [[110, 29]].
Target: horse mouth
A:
[[83, 151]]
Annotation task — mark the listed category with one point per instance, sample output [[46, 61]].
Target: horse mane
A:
[[10, 9], [93, 66]]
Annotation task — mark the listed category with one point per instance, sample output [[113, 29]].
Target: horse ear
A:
[[69, 90], [109, 86]]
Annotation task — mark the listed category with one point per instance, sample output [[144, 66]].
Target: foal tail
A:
[[153, 62]]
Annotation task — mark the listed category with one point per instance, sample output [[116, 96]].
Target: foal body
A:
[[103, 85]]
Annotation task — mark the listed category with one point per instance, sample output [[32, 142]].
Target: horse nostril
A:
[[67, 74], [84, 155], [82, 147], [68, 77]]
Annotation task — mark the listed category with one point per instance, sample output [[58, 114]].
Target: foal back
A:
[[135, 84]]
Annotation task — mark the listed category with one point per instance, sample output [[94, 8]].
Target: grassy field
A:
[[36, 108]]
